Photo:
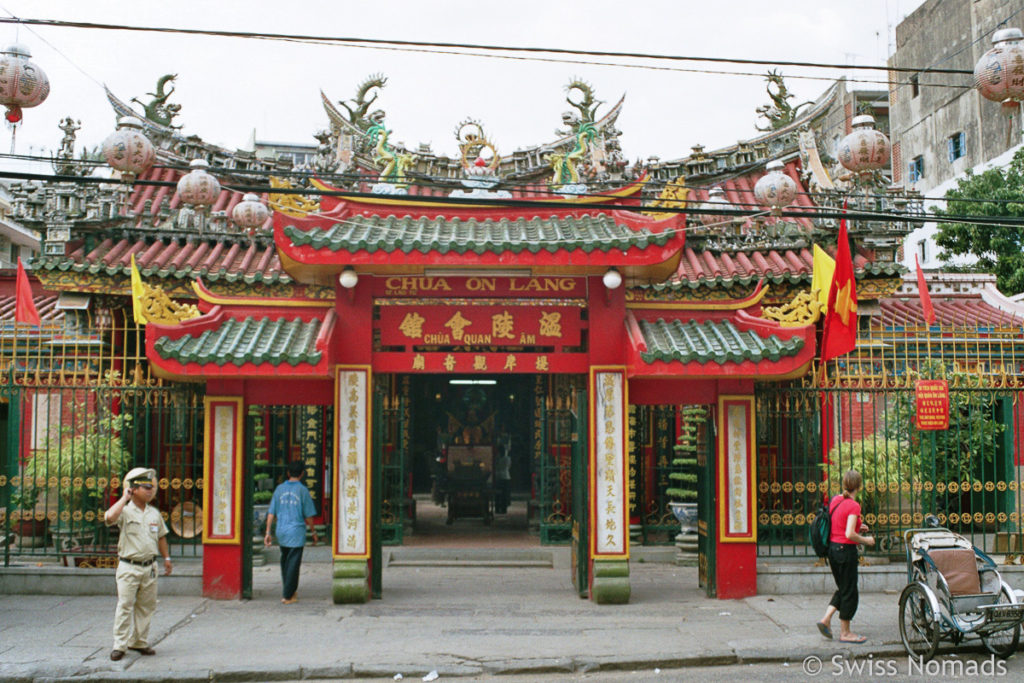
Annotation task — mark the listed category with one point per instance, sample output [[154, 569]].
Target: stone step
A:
[[469, 557]]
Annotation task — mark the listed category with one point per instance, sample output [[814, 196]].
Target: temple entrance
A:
[[471, 465]]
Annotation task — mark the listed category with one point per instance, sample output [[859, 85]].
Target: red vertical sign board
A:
[[932, 402]]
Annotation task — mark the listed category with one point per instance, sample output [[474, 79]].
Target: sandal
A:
[[854, 641], [825, 630]]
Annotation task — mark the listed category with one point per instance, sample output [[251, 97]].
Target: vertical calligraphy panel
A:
[[609, 520], [736, 502], [222, 470], [351, 469]]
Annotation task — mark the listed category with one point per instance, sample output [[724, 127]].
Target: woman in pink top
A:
[[842, 557]]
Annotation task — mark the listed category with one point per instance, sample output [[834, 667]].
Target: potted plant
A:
[[75, 462], [30, 530], [684, 484]]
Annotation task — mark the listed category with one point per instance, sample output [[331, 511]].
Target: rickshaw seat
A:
[[960, 569]]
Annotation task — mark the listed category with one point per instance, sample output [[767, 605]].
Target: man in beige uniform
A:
[[143, 535]]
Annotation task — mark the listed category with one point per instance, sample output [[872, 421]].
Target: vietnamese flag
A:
[[24, 306], [926, 298], [840, 333]]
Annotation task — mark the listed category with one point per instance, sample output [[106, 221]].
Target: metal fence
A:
[[78, 409], [863, 414]]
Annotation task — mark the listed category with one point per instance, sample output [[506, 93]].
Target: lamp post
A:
[[22, 85], [199, 190]]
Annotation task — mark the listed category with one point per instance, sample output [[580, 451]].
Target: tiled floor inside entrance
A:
[[509, 530]]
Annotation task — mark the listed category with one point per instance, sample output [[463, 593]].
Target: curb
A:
[[344, 670]]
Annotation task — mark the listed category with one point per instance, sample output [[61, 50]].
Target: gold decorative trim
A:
[[157, 307], [724, 305], [205, 294], [294, 205], [672, 196], [803, 310]]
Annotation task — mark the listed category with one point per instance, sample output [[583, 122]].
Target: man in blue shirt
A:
[[293, 509]]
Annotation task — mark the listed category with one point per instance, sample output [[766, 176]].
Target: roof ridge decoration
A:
[[780, 112], [158, 110], [604, 163], [743, 303], [159, 308], [672, 196], [802, 310], [289, 203], [392, 178], [479, 172], [208, 299]]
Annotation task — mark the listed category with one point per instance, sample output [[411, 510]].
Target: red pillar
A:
[[222, 558], [735, 490], [222, 571]]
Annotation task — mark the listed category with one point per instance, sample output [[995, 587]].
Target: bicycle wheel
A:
[[919, 624], [1003, 643]]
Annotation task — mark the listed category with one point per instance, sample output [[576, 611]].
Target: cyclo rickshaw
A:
[[953, 591]]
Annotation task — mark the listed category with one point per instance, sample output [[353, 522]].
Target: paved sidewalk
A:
[[459, 621]]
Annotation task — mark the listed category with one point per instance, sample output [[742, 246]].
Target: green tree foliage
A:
[[999, 249], [961, 452], [81, 454]]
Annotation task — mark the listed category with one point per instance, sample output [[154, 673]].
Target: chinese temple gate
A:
[[571, 285], [479, 291]]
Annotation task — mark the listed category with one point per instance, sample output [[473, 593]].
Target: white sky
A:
[[228, 88]]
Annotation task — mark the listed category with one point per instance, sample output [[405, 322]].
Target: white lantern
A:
[[865, 149], [717, 201], [349, 278], [250, 213], [128, 150], [775, 190], [999, 74], [22, 83], [198, 188], [612, 278]]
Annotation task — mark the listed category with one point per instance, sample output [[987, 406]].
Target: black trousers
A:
[[842, 558], [291, 560]]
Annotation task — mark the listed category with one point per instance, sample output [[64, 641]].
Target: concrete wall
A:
[[187, 579], [802, 577], [949, 34]]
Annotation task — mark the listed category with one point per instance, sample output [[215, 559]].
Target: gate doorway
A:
[[469, 465]]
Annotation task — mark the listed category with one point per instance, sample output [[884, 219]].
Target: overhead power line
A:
[[793, 212], [60, 23]]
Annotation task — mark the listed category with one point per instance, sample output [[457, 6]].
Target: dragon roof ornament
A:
[[603, 160]]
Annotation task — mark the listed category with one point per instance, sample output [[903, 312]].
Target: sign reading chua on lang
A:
[[932, 404]]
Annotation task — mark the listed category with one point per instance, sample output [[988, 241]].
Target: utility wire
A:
[[795, 212], [540, 190], [60, 23]]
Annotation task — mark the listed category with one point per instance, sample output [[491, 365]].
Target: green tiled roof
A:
[[453, 235], [248, 341], [711, 341]]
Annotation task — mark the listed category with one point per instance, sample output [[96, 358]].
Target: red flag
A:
[[840, 333], [926, 298], [24, 307]]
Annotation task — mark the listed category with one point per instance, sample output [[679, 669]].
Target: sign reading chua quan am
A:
[[932, 403]]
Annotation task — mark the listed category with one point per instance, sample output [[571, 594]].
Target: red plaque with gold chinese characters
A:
[[471, 325], [932, 405]]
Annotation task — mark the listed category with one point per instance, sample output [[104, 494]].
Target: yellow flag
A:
[[137, 292], [821, 277]]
